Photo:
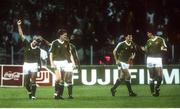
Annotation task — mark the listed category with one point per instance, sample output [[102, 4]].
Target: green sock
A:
[[57, 88], [61, 89], [33, 89], [116, 84], [159, 80], [70, 90], [152, 86], [128, 84], [27, 83]]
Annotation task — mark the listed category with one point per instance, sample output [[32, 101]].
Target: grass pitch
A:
[[92, 97]]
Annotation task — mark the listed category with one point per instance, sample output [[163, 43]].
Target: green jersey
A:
[[60, 50], [124, 51], [31, 54], [153, 46]]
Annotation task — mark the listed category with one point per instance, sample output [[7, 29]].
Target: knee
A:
[[159, 78], [69, 83], [61, 82], [151, 80], [27, 83], [33, 80], [127, 77]]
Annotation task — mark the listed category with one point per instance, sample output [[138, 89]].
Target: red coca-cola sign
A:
[[12, 75]]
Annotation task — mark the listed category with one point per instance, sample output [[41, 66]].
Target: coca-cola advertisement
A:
[[11, 76]]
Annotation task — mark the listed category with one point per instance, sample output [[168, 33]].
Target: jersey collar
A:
[[127, 43], [60, 41], [153, 39], [33, 47]]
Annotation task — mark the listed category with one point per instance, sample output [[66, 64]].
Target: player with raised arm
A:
[[123, 53], [31, 60]]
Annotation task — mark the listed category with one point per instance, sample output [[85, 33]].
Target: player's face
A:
[[149, 34], [129, 38], [35, 43], [64, 37]]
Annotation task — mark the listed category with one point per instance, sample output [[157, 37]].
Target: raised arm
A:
[[20, 29], [47, 42]]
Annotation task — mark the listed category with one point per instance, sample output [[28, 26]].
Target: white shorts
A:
[[64, 66], [30, 68], [123, 66], [154, 62]]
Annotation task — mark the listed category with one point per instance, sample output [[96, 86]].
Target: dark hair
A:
[[61, 31]]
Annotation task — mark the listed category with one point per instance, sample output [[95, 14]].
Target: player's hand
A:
[[74, 66], [19, 22], [142, 48], [130, 61], [163, 49]]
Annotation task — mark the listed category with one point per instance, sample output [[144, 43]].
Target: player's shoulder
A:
[[149, 40], [121, 43], [26, 41], [72, 45], [160, 38], [55, 41]]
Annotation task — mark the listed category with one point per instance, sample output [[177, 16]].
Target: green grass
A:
[[92, 97]]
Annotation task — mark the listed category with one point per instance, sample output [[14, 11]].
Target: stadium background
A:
[[96, 24]]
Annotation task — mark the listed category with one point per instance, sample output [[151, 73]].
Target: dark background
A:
[[97, 23]]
